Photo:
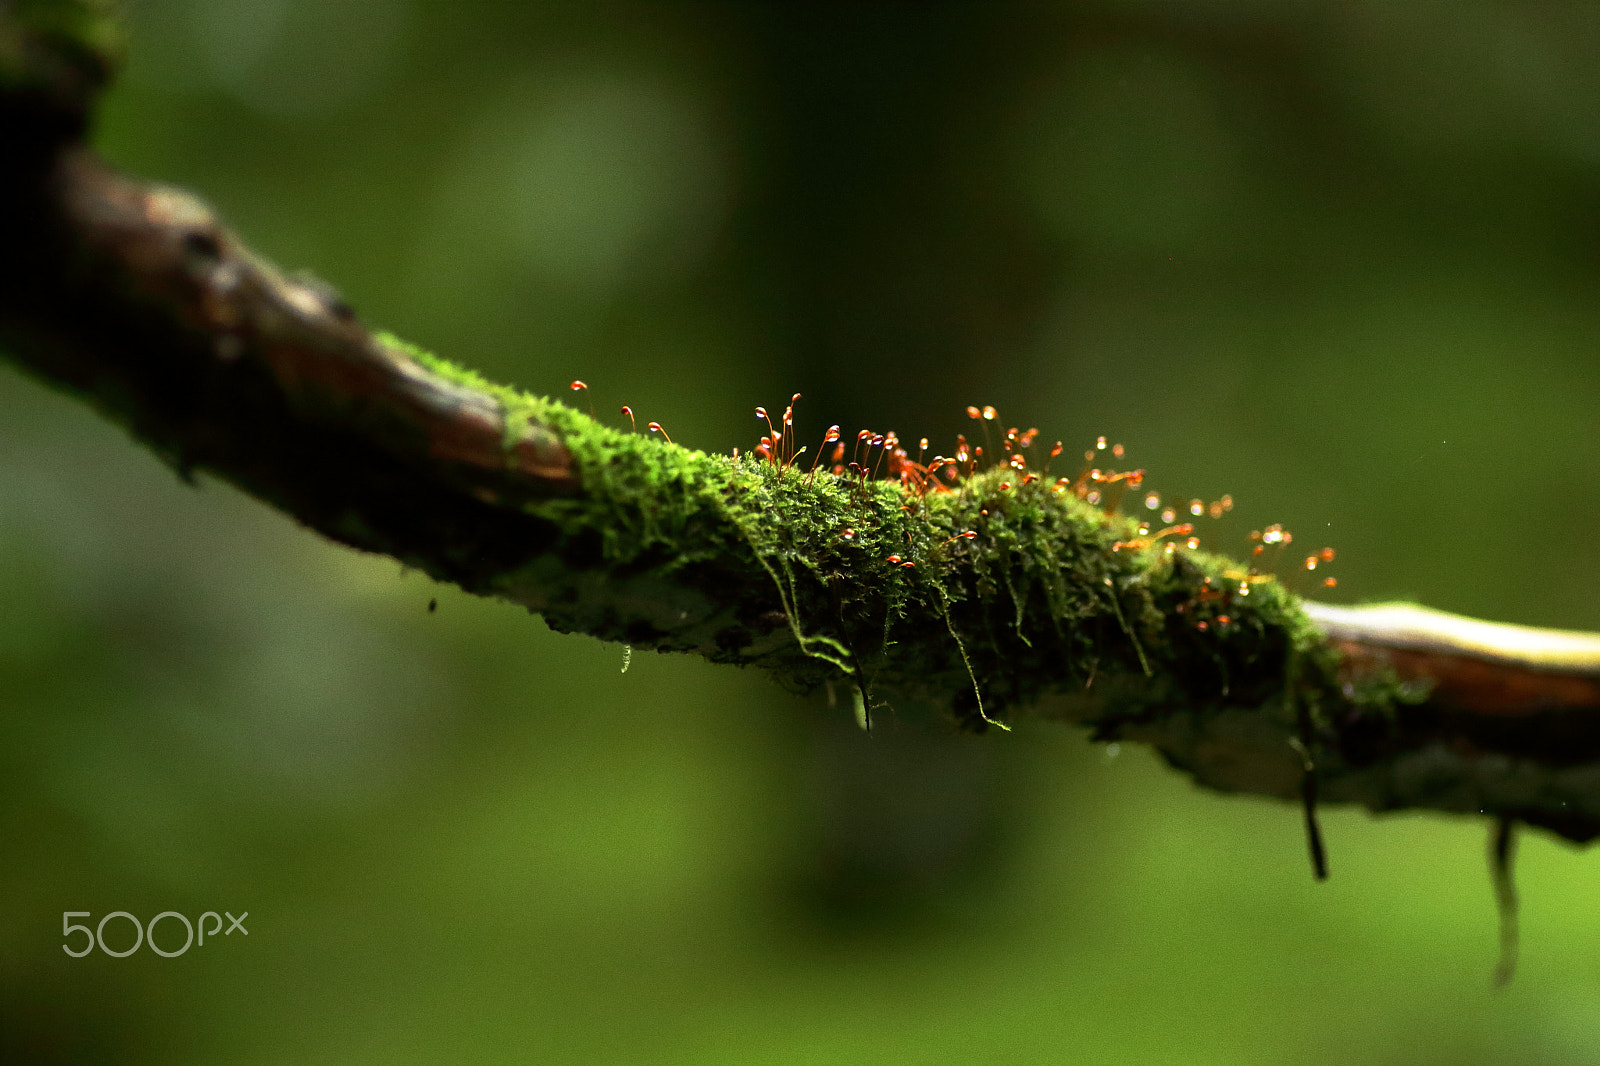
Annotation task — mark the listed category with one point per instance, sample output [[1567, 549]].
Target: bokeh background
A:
[[1337, 259]]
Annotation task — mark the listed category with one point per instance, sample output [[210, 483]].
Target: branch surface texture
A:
[[977, 595]]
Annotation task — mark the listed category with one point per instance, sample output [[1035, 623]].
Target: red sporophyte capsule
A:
[[657, 427], [577, 386], [894, 559]]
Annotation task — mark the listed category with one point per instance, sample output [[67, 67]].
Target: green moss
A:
[[806, 575], [517, 406]]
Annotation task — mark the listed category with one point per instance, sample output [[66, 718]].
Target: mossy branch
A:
[[977, 603]]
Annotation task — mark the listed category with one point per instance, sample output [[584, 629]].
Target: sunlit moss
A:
[[981, 599]]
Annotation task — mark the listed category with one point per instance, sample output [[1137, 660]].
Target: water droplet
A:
[[1113, 750], [1196, 507], [1152, 501], [1168, 515]]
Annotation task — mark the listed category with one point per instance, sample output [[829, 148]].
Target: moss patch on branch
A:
[[980, 600]]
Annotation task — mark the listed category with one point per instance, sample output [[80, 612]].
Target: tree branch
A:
[[978, 600]]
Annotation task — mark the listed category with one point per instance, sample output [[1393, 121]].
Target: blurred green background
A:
[[1338, 259]]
